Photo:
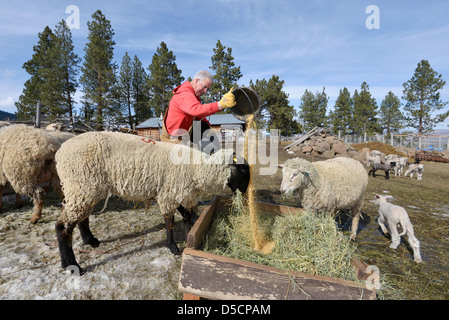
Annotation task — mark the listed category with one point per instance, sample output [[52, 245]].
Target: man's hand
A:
[[228, 100]]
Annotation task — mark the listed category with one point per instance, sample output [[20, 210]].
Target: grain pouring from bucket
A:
[[246, 108]]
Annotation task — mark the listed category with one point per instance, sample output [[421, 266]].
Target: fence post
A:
[[38, 115], [392, 142]]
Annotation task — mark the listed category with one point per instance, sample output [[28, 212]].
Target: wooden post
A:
[[38, 115]]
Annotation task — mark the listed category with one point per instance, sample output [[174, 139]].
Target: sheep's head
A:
[[239, 179], [382, 199], [293, 178]]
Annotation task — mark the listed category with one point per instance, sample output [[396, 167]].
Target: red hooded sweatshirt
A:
[[184, 107]]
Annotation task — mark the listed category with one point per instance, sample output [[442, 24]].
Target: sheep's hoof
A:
[[34, 219], [94, 242], [174, 248]]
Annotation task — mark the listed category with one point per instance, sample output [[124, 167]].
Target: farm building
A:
[[227, 124]]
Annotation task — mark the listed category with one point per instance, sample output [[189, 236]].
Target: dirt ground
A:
[[133, 263]]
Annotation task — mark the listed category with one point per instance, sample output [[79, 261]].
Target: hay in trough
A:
[[308, 243]]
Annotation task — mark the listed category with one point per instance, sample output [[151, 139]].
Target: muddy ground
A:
[[133, 263]]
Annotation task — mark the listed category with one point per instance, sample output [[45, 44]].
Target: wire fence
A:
[[420, 142]]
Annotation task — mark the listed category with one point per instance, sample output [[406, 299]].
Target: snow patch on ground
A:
[[130, 263]]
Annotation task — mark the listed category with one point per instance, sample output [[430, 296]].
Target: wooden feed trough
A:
[[210, 276]]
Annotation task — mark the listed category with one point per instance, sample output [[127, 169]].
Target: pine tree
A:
[[313, 109], [390, 116], [163, 78], [365, 111], [40, 69], [124, 86], [98, 71], [226, 73], [140, 92], [423, 98], [68, 65], [341, 117], [53, 69], [275, 111]]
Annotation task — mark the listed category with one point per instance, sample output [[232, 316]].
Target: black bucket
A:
[[247, 103]]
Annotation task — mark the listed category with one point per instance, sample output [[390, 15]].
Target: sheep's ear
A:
[[377, 196], [280, 166], [304, 172]]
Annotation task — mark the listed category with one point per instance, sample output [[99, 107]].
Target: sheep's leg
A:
[[86, 234], [189, 217], [355, 224], [381, 222], [64, 236], [170, 226], [38, 200], [414, 243], [18, 203], [395, 237], [387, 174]]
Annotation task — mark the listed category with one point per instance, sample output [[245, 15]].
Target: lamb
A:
[[327, 186], [394, 215], [400, 165], [415, 167], [27, 158], [387, 166], [94, 165], [372, 159]]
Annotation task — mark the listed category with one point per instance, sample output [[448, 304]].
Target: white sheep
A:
[[27, 158], [393, 215], [415, 167], [94, 165], [327, 186], [401, 162]]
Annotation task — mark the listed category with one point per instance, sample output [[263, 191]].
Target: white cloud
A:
[[7, 104]]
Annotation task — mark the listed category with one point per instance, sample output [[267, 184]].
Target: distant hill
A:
[[5, 116]]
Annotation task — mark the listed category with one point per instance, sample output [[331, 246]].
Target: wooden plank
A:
[[304, 137], [216, 277], [199, 229]]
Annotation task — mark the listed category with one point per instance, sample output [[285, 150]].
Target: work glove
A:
[[228, 100]]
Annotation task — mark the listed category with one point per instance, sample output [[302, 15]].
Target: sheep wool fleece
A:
[[23, 152], [337, 183], [94, 165]]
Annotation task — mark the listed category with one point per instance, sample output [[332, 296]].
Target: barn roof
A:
[[215, 120]]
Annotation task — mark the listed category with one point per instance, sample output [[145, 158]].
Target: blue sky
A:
[[308, 44]]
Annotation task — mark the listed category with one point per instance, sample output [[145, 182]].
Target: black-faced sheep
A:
[[26, 158], [327, 186], [386, 167], [94, 165]]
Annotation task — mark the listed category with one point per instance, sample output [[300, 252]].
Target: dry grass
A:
[[307, 242]]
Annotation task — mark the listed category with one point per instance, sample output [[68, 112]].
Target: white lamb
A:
[[371, 159], [95, 165], [401, 162], [393, 215], [327, 186], [415, 167]]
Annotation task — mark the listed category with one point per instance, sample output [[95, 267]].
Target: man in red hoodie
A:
[[185, 106]]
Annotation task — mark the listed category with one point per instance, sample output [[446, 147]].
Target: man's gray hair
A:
[[203, 75]]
